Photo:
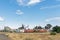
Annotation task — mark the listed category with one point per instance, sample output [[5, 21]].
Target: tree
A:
[[21, 27], [7, 29], [48, 26], [56, 29], [38, 27]]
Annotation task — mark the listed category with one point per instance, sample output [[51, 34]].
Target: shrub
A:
[[53, 33], [11, 32], [7, 35], [28, 39]]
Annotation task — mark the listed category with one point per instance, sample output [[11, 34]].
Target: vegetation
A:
[[36, 29], [21, 27], [48, 26], [28, 39], [56, 29], [53, 33], [33, 36]]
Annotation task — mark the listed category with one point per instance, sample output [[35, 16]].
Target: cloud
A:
[[1, 18], [49, 7], [34, 2], [28, 2], [53, 19], [19, 12], [20, 2]]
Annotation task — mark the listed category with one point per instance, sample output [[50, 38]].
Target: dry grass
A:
[[32, 36]]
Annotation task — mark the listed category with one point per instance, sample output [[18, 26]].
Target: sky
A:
[[14, 13]]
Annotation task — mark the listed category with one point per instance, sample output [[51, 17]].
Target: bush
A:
[[28, 39], [7, 35], [11, 32], [53, 33]]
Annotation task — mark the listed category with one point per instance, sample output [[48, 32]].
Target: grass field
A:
[[32, 36]]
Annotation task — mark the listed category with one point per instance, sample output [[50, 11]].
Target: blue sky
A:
[[13, 13]]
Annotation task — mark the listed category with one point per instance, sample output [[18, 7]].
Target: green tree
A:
[[48, 26], [22, 27], [38, 27], [7, 29], [56, 29]]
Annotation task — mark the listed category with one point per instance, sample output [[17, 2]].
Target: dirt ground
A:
[[32, 36]]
